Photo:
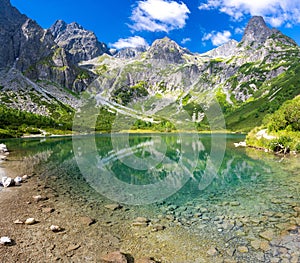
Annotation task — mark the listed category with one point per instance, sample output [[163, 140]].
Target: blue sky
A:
[[198, 25]]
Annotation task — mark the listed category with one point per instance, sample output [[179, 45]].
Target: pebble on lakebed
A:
[[114, 257], [141, 222], [113, 207], [39, 198], [55, 228], [30, 221], [5, 241]]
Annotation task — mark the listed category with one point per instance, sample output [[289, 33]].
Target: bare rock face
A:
[[10, 21], [27, 47], [257, 33], [226, 50], [82, 44], [127, 53], [166, 51]]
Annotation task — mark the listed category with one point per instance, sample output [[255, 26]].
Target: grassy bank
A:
[[280, 131]]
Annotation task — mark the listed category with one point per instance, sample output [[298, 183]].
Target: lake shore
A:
[[86, 235], [92, 227]]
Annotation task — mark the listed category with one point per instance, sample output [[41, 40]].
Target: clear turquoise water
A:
[[177, 163], [201, 182]]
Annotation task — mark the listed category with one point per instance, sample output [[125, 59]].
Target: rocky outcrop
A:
[[226, 50], [82, 44], [166, 51], [10, 22], [128, 53], [27, 47], [257, 33]]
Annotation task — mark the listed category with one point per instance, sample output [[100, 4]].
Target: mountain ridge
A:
[[82, 44], [161, 81]]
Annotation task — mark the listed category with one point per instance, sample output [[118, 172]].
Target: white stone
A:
[[55, 228], [18, 180], [5, 240], [30, 221]]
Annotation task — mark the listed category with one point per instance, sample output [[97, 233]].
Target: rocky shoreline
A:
[[48, 221], [44, 225]]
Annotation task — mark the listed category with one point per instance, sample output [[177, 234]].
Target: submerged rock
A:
[[243, 249], [113, 207], [114, 257], [87, 221], [212, 252], [145, 260], [268, 235], [141, 222], [158, 228]]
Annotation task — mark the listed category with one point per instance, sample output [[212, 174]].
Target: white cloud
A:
[[159, 15], [276, 12], [217, 38], [185, 40], [133, 42], [239, 30]]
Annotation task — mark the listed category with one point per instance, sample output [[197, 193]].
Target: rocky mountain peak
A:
[[167, 50], [9, 15], [226, 50], [58, 27], [257, 32], [82, 44]]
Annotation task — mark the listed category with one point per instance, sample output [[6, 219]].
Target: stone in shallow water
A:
[[235, 203], [145, 260], [212, 252], [297, 209], [158, 228], [39, 198], [72, 247], [55, 228], [142, 220], [265, 246], [139, 224], [240, 233], [255, 244], [243, 249], [85, 220], [113, 207], [48, 210], [30, 221], [268, 235], [114, 257]]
